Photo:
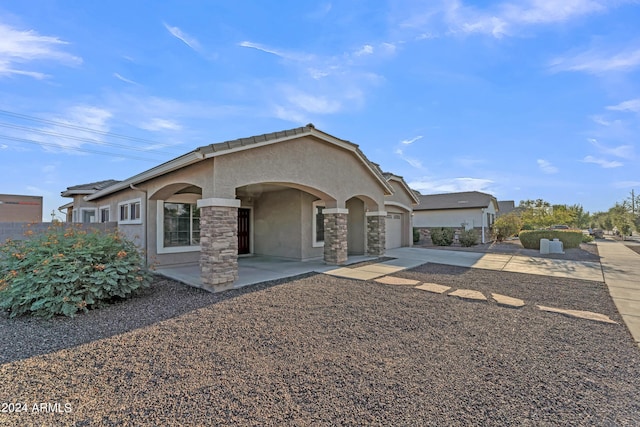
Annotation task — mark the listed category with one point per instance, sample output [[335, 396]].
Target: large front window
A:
[[181, 225]]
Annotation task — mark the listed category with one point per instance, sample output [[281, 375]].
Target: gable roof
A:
[[241, 144], [462, 200], [89, 188], [506, 206], [390, 176]]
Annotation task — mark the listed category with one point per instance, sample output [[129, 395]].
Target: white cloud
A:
[[626, 184], [416, 163], [315, 104], [595, 62], [367, 49], [183, 37], [77, 117], [632, 105], [293, 56], [427, 185], [18, 47], [156, 124], [622, 151], [546, 166], [603, 163], [3, 146], [499, 19], [411, 141], [119, 77]]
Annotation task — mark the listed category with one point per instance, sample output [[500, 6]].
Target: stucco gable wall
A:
[[447, 218], [306, 161], [399, 195]]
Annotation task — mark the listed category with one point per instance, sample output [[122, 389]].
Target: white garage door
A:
[[393, 229]]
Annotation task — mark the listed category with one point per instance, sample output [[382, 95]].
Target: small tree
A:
[[506, 226]]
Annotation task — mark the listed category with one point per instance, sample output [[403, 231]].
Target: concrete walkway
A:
[[621, 269]]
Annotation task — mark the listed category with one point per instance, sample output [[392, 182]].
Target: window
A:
[[87, 215], [181, 225], [317, 224], [104, 214], [129, 212]]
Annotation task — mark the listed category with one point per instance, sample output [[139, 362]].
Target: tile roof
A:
[[462, 200], [88, 188]]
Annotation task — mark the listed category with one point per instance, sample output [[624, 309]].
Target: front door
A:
[[244, 246]]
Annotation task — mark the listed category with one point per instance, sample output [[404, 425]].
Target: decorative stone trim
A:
[[335, 237], [377, 213], [219, 246], [335, 211], [376, 238], [214, 201]]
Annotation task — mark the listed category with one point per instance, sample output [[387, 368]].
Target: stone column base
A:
[[219, 246], [376, 237], [335, 236]]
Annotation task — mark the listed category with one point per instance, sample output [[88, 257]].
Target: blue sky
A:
[[522, 99]]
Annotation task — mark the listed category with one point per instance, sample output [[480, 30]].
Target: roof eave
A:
[[177, 163]]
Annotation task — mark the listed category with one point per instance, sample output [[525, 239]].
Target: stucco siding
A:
[[447, 218], [399, 195], [356, 227], [277, 219], [307, 162]]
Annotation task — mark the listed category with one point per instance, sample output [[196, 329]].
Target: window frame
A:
[[314, 212], [101, 209], [128, 204], [82, 212], [160, 248]]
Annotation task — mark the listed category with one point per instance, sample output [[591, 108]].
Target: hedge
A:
[[530, 239]]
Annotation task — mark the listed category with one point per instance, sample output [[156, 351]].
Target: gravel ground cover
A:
[[321, 350]]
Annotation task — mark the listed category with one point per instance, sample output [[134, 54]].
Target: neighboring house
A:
[[466, 210], [17, 208], [506, 206], [298, 194]]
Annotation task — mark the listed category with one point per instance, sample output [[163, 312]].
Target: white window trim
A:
[[314, 242], [160, 249], [103, 208], [128, 220], [83, 210]]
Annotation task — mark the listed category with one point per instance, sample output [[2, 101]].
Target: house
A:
[[468, 210], [18, 208], [298, 194], [80, 210], [506, 206]]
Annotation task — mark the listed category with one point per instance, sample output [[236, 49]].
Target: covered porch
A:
[[257, 269]]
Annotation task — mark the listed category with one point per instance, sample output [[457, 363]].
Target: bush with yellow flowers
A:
[[65, 270]]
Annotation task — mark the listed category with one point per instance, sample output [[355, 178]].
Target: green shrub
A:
[[569, 238], [63, 271], [416, 235], [442, 236], [586, 238], [468, 238], [506, 226]]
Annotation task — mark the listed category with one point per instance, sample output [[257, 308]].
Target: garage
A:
[[393, 229]]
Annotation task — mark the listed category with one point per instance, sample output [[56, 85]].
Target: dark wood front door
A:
[[244, 246]]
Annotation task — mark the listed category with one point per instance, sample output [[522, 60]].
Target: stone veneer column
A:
[[335, 235], [376, 237], [218, 243]]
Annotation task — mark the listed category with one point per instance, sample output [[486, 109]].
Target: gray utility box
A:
[[556, 246], [544, 246]]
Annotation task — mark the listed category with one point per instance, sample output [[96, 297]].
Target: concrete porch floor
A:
[[257, 269]]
